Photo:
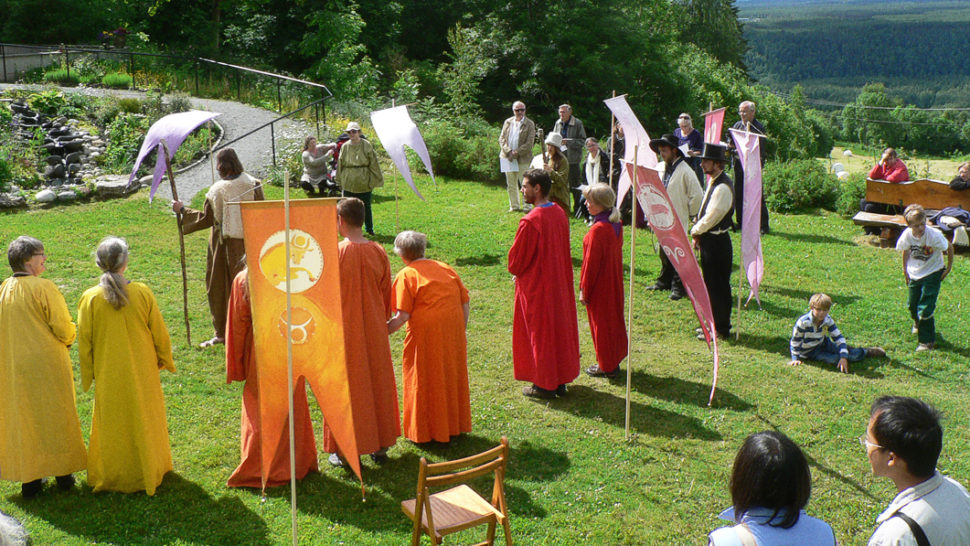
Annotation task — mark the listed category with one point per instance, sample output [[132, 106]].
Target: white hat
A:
[[555, 139], [353, 125]]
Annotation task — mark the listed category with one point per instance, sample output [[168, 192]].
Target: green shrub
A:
[[851, 191], [799, 185], [470, 153], [179, 102], [47, 102], [117, 80], [124, 136], [61, 76], [129, 105]]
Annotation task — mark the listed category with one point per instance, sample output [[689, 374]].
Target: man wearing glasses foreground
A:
[[516, 141], [903, 442]]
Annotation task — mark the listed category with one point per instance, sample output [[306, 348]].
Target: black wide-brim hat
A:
[[714, 152], [666, 140]]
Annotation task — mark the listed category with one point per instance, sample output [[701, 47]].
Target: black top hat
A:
[[714, 152], [666, 140]]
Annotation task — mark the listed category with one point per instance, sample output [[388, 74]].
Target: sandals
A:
[[211, 342]]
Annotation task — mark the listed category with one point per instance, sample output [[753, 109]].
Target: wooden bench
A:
[[934, 195]]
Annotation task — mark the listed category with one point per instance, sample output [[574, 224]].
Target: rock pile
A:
[[72, 156]]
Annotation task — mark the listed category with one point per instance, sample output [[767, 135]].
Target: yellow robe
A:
[[122, 351], [40, 433]]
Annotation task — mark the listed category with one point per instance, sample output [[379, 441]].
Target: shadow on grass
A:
[[588, 403], [867, 368], [804, 295], [180, 511], [678, 390], [811, 238], [769, 344], [484, 260], [336, 495], [769, 306]]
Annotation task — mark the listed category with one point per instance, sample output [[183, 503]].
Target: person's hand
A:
[[582, 297], [844, 365], [514, 154], [795, 363], [695, 244], [547, 167], [177, 206]]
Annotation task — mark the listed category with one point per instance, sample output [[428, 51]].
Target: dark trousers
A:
[[717, 255], [922, 304], [368, 217], [739, 199], [668, 275], [575, 181]]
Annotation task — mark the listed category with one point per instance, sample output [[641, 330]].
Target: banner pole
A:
[[613, 144], [629, 347], [289, 353], [178, 218]]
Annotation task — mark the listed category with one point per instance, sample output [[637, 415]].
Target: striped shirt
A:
[[806, 336]]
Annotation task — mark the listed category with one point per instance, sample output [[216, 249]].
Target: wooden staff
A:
[[178, 219], [629, 347], [542, 147]]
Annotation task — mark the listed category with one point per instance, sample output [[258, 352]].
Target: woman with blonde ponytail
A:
[[123, 343], [601, 280]]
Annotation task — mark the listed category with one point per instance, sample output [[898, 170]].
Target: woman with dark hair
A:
[[316, 165], [770, 486], [40, 433], [226, 249], [123, 345]]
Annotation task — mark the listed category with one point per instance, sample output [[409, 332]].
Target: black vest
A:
[[725, 222]]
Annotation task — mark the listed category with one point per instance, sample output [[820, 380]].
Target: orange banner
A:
[[317, 326]]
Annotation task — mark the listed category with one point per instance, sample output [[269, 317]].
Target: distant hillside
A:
[[919, 49]]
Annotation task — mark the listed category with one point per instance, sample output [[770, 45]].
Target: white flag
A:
[[396, 130]]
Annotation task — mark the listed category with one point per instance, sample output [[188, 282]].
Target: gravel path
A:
[[236, 119]]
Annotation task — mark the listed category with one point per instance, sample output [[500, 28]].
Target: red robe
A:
[[545, 333], [365, 292], [241, 366], [601, 281]]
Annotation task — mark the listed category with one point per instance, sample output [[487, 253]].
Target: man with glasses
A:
[[516, 141], [903, 442], [573, 138], [747, 122]]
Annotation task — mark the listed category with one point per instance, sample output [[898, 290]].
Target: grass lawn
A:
[[573, 476]]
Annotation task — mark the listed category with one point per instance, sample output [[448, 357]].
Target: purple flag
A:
[[748, 147], [173, 129], [396, 129]]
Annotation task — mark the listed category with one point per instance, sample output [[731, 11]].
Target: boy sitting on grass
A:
[[816, 337]]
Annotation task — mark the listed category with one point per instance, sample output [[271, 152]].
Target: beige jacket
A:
[[527, 137]]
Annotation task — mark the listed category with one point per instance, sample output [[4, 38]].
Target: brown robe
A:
[[223, 259]]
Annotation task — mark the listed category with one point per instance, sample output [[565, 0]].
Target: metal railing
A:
[[200, 66]]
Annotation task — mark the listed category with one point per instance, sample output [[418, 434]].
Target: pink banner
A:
[[173, 129], [673, 240], [748, 147], [637, 142], [713, 124]]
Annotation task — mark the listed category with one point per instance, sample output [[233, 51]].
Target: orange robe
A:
[[365, 291], [241, 366], [435, 364], [601, 281], [545, 331]]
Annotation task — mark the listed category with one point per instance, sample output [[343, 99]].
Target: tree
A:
[[713, 26]]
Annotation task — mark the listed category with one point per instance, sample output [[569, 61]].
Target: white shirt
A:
[[514, 133], [925, 253], [940, 505], [720, 202]]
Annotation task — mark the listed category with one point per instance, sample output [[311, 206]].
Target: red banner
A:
[[713, 125], [656, 205]]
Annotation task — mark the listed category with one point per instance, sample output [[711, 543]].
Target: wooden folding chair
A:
[[460, 507]]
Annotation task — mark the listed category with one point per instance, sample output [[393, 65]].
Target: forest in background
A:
[[918, 50]]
